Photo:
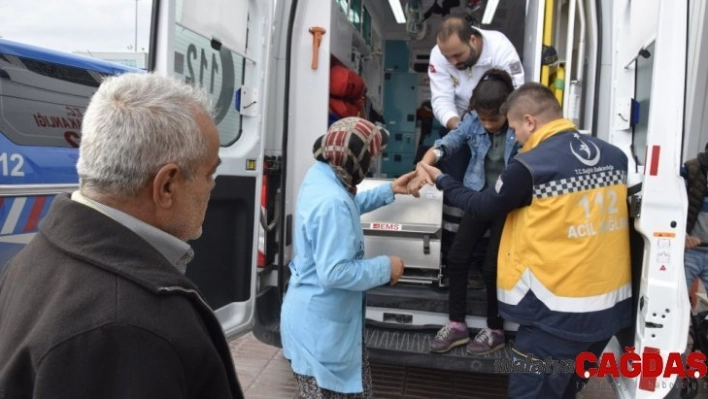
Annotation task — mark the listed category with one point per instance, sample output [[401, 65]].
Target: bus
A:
[[43, 94]]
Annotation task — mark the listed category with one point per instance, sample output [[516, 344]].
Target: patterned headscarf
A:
[[349, 146]]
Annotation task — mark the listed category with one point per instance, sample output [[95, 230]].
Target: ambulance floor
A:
[[265, 374]]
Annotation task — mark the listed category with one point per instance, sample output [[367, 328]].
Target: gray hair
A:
[[135, 124]]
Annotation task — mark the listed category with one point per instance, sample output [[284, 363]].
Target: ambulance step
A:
[[412, 348], [423, 298]]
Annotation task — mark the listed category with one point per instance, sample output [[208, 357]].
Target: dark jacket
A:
[[88, 309], [695, 174]]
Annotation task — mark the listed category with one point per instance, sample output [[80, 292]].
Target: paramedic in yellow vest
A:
[[564, 267]]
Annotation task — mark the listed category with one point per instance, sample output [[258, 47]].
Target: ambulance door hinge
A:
[[635, 205]]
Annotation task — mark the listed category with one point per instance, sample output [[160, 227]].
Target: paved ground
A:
[[264, 374]]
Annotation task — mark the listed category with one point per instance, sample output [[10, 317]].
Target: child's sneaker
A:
[[449, 337], [486, 341]]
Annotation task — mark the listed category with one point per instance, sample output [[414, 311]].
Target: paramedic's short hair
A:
[[456, 25], [533, 99], [135, 124]]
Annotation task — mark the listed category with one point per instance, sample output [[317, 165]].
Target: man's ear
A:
[[530, 122], [164, 185]]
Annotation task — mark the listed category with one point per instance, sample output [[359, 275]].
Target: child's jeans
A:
[[695, 262]]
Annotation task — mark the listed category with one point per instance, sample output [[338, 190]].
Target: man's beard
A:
[[471, 60]]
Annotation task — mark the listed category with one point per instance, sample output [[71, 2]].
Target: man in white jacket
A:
[[460, 58]]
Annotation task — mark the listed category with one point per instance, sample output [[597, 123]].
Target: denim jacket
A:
[[471, 131]]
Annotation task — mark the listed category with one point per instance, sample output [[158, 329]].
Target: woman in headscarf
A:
[[322, 320]]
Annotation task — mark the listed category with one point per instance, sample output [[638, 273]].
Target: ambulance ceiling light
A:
[[397, 11], [489, 12]]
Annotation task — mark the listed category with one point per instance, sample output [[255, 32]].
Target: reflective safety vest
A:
[[564, 261]]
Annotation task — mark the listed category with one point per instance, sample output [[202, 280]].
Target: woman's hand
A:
[[401, 185], [397, 267]]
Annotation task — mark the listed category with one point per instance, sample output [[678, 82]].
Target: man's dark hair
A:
[[456, 25], [533, 99]]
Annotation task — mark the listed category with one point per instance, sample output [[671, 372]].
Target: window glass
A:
[[219, 72], [355, 14], [642, 92], [343, 4], [366, 26], [62, 72], [42, 103]]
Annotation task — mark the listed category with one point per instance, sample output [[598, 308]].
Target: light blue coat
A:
[[322, 318], [472, 132]]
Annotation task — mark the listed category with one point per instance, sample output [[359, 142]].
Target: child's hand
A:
[[416, 184], [432, 171]]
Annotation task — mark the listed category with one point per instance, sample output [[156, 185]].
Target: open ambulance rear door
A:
[[646, 121], [223, 46]]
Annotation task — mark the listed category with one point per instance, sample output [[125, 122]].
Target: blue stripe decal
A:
[[19, 227], [4, 212], [45, 209], [22, 221]]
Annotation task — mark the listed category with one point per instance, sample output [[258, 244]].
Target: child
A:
[[485, 130]]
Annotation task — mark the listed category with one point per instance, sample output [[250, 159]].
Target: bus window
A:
[[43, 102]]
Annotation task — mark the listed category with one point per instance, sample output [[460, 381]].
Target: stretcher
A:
[[410, 228]]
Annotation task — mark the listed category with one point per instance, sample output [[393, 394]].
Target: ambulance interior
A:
[[390, 48]]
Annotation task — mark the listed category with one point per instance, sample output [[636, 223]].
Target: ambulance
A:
[[626, 71]]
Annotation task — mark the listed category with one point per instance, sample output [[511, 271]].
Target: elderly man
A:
[[96, 305]]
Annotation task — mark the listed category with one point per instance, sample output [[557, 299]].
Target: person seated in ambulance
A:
[[694, 171]]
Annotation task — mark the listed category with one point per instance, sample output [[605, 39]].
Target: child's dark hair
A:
[[491, 91]]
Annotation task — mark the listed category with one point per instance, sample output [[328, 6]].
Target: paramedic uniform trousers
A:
[[538, 344]]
